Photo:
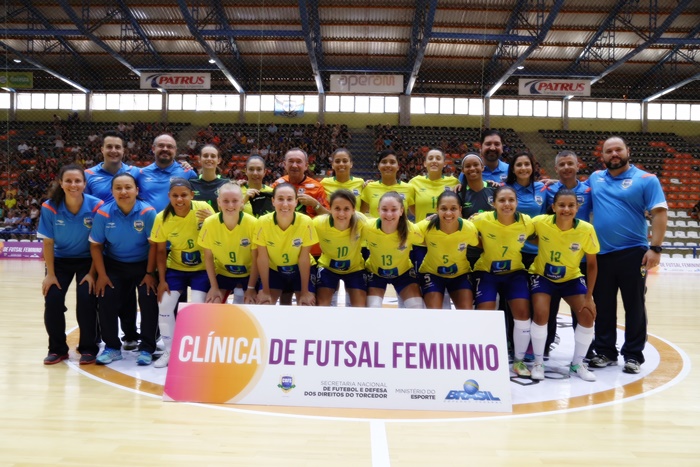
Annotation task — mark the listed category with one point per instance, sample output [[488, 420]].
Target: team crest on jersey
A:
[[575, 247], [87, 222], [490, 200], [245, 242], [539, 200], [462, 247], [626, 183], [300, 191], [356, 192], [521, 238], [580, 200], [138, 225], [296, 243], [401, 247], [403, 196]]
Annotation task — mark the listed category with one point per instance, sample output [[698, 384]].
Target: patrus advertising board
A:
[[554, 87], [180, 81], [387, 84]]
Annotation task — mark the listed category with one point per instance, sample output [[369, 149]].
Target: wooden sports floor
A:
[[56, 415]]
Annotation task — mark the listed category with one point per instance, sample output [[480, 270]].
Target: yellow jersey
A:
[[182, 232], [232, 249], [341, 252], [427, 192], [374, 191], [387, 258], [447, 253], [354, 186], [502, 243], [284, 246], [560, 252]]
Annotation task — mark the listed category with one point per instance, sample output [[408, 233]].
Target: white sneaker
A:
[[582, 371], [162, 362], [537, 371]]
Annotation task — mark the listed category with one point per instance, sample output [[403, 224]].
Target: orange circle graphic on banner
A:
[[216, 357]]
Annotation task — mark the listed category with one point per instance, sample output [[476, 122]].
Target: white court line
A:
[[379, 444]]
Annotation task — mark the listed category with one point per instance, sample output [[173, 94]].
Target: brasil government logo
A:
[[470, 392]]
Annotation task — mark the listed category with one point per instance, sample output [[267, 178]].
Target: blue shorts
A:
[[417, 256], [540, 284], [434, 283], [511, 286], [179, 280], [399, 283], [290, 281], [328, 279], [230, 283]]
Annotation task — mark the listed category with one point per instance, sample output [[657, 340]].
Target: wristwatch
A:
[[656, 249]]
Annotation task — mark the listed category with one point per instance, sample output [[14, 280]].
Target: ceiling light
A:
[[521, 67], [212, 61], [17, 60]]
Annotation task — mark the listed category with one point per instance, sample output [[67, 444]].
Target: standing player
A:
[[500, 268], [566, 167], [154, 179], [446, 266], [621, 195], [119, 247], [563, 240], [341, 259], [495, 169], [388, 166], [178, 225], [206, 186], [99, 178], [64, 225], [341, 162], [430, 186], [284, 239], [390, 240], [257, 197], [229, 252], [99, 183]]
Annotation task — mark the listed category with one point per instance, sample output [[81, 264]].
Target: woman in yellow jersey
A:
[[431, 185], [178, 224], [284, 239], [563, 240], [500, 268], [229, 251], [257, 197], [388, 166], [339, 236], [341, 162], [390, 240], [445, 265]]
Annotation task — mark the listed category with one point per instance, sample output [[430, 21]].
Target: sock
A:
[[538, 335], [446, 302], [166, 318], [238, 296], [416, 303], [521, 337], [583, 338], [374, 301]]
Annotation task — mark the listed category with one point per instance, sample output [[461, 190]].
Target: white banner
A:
[[359, 84], [351, 358], [690, 265], [176, 81], [554, 87]]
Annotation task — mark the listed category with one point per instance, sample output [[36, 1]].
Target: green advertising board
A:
[[17, 80]]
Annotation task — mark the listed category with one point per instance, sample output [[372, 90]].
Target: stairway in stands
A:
[[361, 148]]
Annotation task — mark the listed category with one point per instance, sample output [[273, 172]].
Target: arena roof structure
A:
[[635, 49]]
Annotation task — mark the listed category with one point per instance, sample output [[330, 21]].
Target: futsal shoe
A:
[[109, 355], [601, 361], [53, 358], [632, 367], [520, 369], [582, 372], [162, 362], [537, 372]]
